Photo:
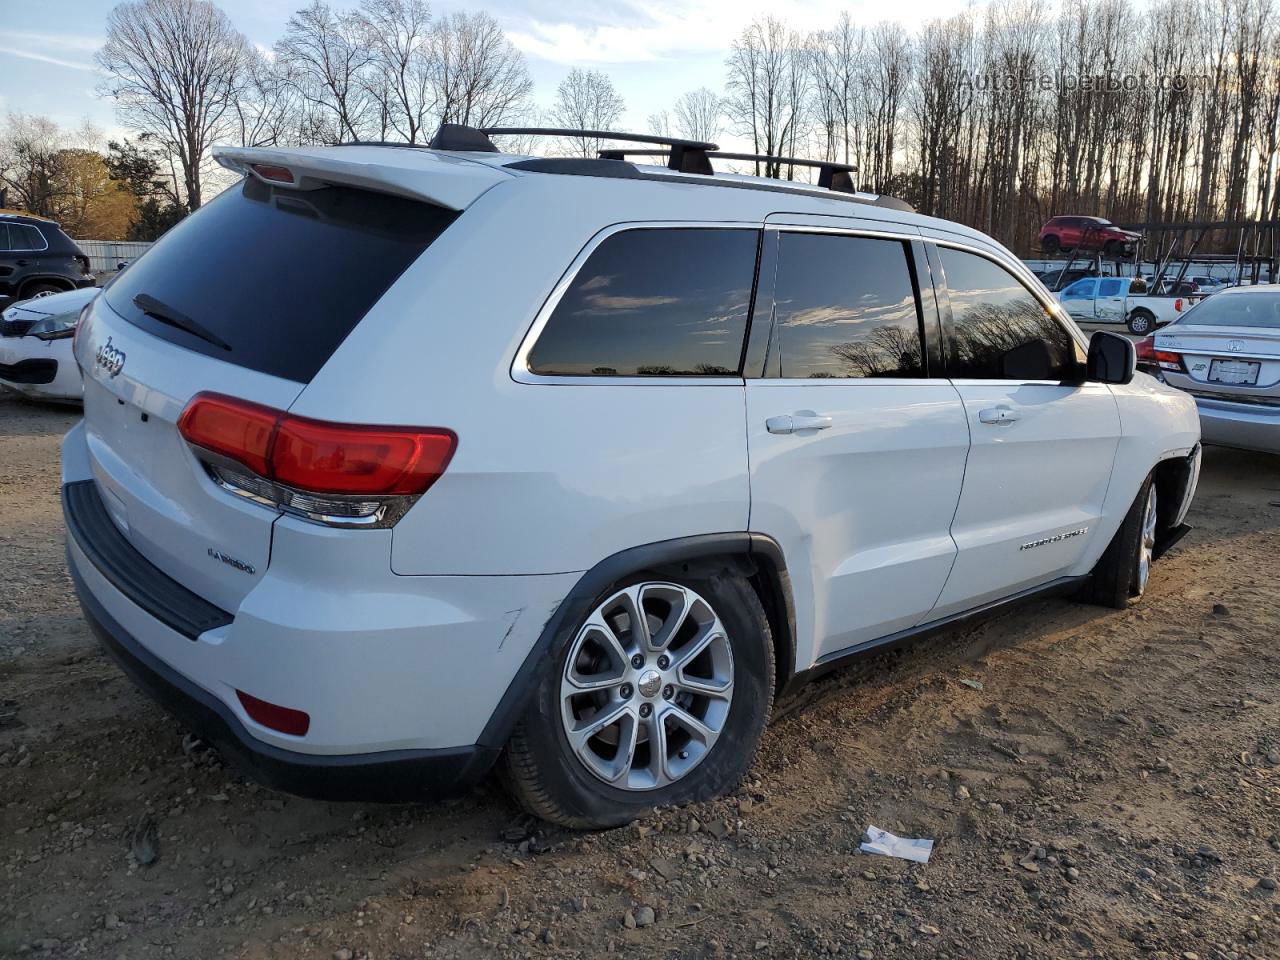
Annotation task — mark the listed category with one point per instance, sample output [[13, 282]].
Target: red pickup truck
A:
[[1086, 233]]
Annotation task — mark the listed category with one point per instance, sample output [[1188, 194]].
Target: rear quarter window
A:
[[281, 276], [654, 302]]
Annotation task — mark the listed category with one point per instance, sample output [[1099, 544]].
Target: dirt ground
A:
[[1098, 784]]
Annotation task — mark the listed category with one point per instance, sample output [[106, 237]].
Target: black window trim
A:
[[1019, 272], [928, 304], [520, 371]]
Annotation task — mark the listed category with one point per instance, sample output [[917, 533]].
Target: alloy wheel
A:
[[647, 686], [1147, 543]]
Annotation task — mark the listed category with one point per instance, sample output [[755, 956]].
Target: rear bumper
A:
[[1249, 426], [384, 776], [404, 678]]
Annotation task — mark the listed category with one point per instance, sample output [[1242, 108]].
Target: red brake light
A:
[[233, 428], [338, 458], [316, 456], [1177, 305], [1164, 359], [286, 720], [273, 172]]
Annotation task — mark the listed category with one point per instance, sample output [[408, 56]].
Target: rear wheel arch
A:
[[755, 557], [32, 285]]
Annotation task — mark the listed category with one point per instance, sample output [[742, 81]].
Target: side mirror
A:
[[1112, 358]]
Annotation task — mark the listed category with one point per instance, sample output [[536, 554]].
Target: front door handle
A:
[[997, 415], [796, 422]]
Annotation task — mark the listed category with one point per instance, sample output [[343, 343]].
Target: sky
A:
[[654, 50]]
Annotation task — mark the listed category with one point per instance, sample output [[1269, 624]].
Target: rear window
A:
[[279, 276], [1235, 310], [654, 303]]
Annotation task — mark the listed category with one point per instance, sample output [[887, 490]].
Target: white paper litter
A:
[[887, 845]]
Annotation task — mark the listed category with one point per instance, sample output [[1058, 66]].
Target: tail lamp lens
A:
[[298, 461], [1164, 359]]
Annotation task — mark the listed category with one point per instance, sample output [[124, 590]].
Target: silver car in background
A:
[[1225, 351]]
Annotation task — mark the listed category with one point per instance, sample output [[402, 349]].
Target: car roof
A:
[[457, 178], [27, 218]]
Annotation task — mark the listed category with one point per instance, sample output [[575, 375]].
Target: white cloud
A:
[[81, 42], [670, 29], [43, 58]]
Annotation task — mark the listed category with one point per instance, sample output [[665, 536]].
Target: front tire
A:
[[1050, 244], [1125, 569], [664, 708]]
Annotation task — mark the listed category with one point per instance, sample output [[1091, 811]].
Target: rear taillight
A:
[[337, 473], [1177, 305], [81, 323], [1149, 356]]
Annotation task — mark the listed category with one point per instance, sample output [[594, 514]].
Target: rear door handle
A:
[[997, 415], [795, 423]]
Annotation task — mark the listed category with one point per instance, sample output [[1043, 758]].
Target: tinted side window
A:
[[23, 237], [1079, 289], [846, 307], [654, 302], [5, 243], [998, 330], [1109, 288]]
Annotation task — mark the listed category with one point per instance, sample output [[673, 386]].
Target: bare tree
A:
[[400, 75], [173, 67], [699, 114], [326, 55], [586, 100], [33, 162], [480, 78], [767, 86], [266, 110]]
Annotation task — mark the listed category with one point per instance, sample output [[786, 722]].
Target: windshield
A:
[[1236, 310]]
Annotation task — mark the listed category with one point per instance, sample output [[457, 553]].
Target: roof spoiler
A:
[[441, 180]]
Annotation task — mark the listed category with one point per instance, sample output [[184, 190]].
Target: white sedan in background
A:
[[35, 346], [1225, 352]]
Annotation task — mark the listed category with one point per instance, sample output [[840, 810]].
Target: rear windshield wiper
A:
[[166, 314]]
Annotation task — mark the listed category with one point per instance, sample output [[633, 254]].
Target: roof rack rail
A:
[[686, 156], [831, 175]]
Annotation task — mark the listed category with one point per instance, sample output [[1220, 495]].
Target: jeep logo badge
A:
[[110, 358]]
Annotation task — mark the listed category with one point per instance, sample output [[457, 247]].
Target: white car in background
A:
[[35, 346], [1226, 353]]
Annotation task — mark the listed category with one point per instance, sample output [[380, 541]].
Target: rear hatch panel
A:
[[160, 497], [248, 297]]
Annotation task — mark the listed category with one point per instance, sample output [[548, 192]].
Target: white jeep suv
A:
[[400, 462]]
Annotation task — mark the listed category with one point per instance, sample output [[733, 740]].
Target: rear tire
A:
[[1124, 570], [37, 290], [1050, 244], [1141, 322], [598, 780]]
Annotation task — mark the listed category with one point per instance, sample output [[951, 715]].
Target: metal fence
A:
[[105, 255]]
